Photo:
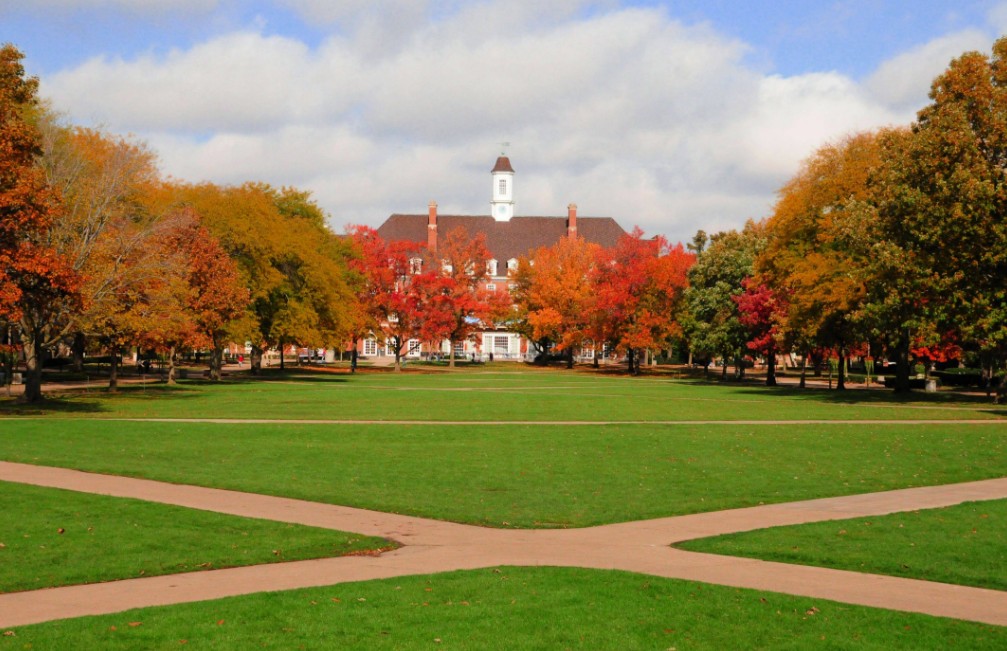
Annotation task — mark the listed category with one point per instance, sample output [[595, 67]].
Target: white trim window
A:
[[491, 267], [512, 265], [490, 287], [370, 347]]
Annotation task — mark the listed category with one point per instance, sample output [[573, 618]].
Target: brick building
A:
[[508, 237]]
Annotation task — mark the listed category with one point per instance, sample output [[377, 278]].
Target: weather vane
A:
[[503, 148]]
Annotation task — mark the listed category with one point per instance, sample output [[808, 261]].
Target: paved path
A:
[[433, 546]]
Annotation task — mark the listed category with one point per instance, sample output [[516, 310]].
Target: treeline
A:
[[889, 244], [99, 251]]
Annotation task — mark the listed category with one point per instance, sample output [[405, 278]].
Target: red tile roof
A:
[[503, 165], [506, 240]]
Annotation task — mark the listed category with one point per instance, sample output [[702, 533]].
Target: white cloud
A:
[[625, 112], [903, 82]]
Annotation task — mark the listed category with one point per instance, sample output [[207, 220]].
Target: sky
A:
[[670, 115]]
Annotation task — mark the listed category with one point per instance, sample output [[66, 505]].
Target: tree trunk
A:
[[172, 354], [31, 344], [804, 371], [78, 345], [280, 346], [740, 366], [113, 369], [353, 358], [216, 360], [398, 355], [841, 382], [902, 363], [723, 370], [255, 360], [771, 370], [569, 358], [451, 354]]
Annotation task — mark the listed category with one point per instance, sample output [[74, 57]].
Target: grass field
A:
[[964, 544], [52, 537], [501, 395], [523, 475], [513, 608], [547, 474]]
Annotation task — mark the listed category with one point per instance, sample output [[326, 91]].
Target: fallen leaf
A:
[[135, 624], [60, 530], [9, 633], [220, 622]]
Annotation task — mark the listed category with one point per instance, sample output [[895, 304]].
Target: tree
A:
[[295, 268], [711, 321], [217, 297], [33, 273], [555, 297], [463, 300], [819, 240], [638, 286], [392, 292], [944, 201], [760, 310]]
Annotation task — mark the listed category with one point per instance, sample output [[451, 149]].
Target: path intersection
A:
[[430, 546]]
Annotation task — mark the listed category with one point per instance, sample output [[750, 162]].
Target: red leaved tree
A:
[[760, 309], [638, 286]]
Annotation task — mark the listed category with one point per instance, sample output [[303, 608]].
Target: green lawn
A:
[[523, 475], [542, 475], [964, 544], [518, 394], [51, 537], [512, 608]]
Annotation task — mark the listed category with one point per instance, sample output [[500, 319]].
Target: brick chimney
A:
[[571, 220], [432, 227]]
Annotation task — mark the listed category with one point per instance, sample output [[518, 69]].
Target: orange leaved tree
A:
[[555, 297], [33, 274]]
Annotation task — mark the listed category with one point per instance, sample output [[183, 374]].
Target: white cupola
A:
[[502, 203]]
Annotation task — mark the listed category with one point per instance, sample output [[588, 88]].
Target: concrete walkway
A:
[[433, 546]]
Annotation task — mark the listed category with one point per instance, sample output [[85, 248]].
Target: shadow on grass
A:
[[64, 404]]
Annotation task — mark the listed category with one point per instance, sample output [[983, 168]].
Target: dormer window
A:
[[415, 266], [512, 265], [491, 267]]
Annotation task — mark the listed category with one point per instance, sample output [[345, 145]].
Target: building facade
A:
[[508, 237]]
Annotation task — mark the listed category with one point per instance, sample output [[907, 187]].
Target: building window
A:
[[503, 186], [491, 267], [370, 347], [501, 345], [490, 287], [416, 266], [512, 265], [413, 348]]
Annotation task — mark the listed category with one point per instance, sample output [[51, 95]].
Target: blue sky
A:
[[672, 115]]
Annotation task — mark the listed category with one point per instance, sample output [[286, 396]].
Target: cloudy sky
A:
[[673, 115]]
